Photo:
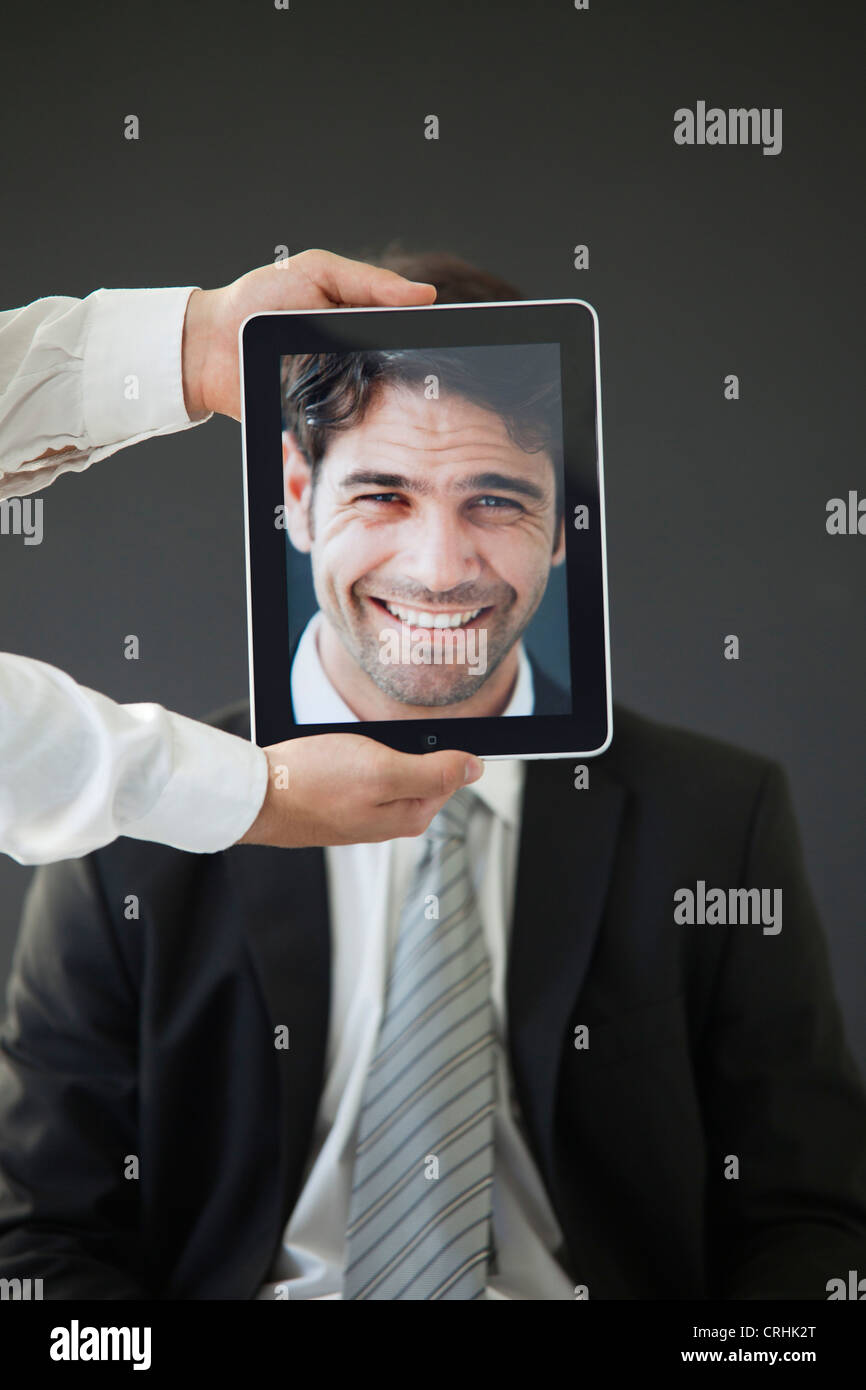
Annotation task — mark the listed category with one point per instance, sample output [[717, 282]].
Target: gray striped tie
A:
[[419, 1219]]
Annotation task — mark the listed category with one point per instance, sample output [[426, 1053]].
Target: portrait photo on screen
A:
[[425, 537]]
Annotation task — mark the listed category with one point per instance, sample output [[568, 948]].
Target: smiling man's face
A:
[[426, 513]]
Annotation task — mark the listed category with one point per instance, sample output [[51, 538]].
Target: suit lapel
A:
[[565, 858], [284, 904]]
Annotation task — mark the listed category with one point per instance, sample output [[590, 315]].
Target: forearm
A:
[[78, 770], [82, 378]]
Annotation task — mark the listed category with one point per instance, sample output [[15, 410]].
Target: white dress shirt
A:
[[367, 885], [91, 376], [315, 701]]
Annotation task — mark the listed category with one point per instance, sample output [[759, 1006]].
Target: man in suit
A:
[[186, 1064]]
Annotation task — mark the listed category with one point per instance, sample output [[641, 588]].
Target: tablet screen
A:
[[424, 499], [425, 527]]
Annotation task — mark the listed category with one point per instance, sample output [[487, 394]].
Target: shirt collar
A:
[[315, 701], [501, 788]]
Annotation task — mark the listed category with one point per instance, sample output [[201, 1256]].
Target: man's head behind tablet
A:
[[426, 487]]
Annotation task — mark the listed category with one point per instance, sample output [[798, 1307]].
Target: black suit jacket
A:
[[550, 698], [154, 1038]]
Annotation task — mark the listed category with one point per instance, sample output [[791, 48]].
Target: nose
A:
[[440, 551]]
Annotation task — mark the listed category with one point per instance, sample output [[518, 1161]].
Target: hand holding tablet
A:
[[425, 527], [341, 789]]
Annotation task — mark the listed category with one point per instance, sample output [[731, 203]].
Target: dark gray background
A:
[[261, 127]]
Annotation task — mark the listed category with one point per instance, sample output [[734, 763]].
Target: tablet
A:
[[425, 536]]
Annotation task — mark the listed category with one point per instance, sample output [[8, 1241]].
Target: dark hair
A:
[[457, 281], [323, 393]]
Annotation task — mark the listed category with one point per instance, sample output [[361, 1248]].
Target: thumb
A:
[[426, 775]]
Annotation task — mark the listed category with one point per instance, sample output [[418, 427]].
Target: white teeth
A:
[[419, 617]]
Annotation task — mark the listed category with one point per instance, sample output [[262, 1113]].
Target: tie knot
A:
[[450, 823]]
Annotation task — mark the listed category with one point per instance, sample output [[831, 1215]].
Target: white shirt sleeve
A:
[[77, 770], [89, 377]]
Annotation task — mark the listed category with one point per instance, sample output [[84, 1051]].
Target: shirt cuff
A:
[[133, 366], [213, 795]]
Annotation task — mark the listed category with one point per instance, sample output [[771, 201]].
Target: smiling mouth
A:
[[429, 618]]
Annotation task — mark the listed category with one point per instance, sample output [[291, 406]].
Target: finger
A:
[[355, 282], [405, 818], [423, 776]]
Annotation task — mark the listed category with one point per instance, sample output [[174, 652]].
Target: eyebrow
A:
[[503, 482]]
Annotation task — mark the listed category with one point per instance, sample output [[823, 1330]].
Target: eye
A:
[[378, 497], [497, 503]]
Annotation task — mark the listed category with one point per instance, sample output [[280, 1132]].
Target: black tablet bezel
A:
[[573, 324]]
